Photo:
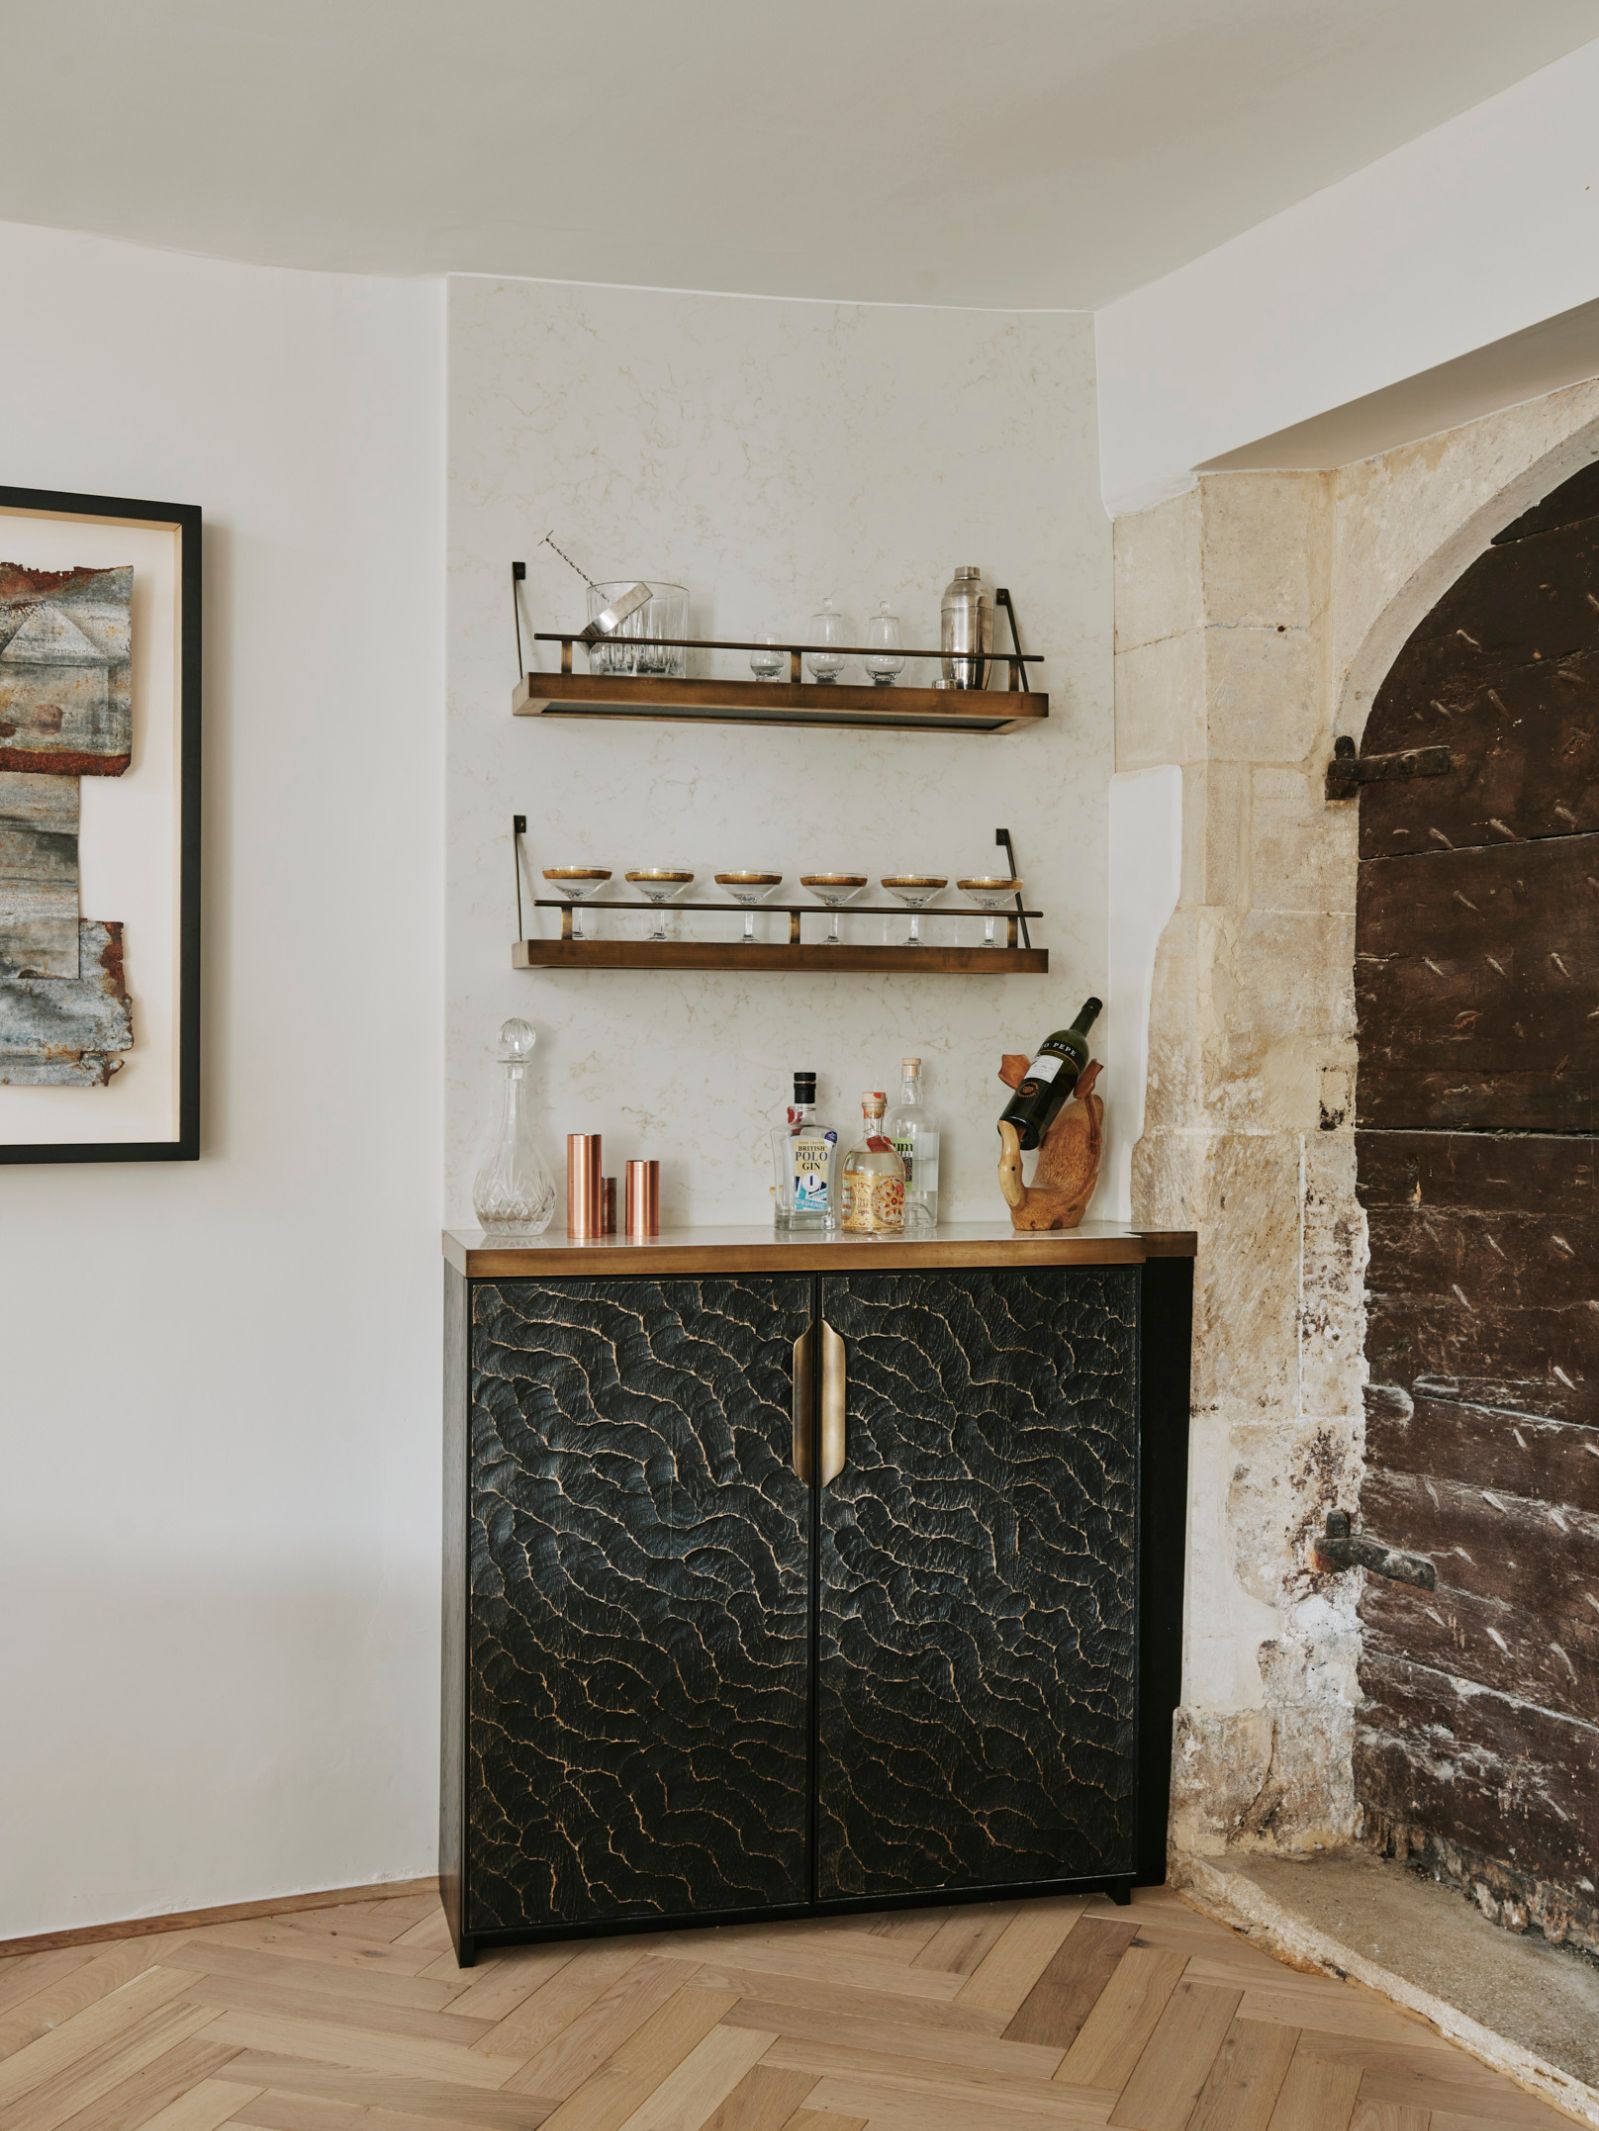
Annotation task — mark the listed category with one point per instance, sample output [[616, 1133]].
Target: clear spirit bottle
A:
[[874, 1177], [804, 1164], [915, 1140]]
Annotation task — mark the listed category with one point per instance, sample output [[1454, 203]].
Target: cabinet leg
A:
[[1120, 1891], [466, 1951]]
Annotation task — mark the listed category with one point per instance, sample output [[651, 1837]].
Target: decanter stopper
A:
[[513, 1193]]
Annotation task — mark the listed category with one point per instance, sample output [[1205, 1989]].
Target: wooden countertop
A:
[[760, 1249]]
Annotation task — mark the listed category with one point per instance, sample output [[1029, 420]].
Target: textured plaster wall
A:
[[764, 454], [1256, 616], [219, 1522]]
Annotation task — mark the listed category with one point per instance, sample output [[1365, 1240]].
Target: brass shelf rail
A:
[[1018, 957], [565, 693]]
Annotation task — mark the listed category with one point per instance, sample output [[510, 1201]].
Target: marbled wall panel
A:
[[765, 453]]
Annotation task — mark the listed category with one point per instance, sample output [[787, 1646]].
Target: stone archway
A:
[[1256, 617], [1477, 1103]]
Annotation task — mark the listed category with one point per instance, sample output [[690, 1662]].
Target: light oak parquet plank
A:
[[804, 1961], [627, 2080], [360, 2049], [435, 2101], [1459, 2093], [1177, 2059], [982, 2092], [1335, 2008], [368, 2015], [95, 2072], [1389, 2116], [1111, 2040], [334, 1986], [165, 2079], [959, 2051], [763, 2100], [575, 2054], [849, 2003], [889, 2104], [118, 2013], [548, 2011], [1068, 1990], [1019, 1956], [702, 2082], [824, 2120], [69, 1993], [24, 1975], [207, 2107], [1425, 2078], [1243, 2084], [501, 1981], [1319, 2093], [961, 1942], [337, 1949]]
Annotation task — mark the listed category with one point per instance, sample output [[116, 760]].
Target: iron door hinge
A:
[[1342, 1547], [1348, 770]]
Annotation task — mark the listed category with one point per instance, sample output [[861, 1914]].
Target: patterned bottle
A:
[[874, 1177]]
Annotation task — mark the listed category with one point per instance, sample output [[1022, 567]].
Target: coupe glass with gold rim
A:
[[750, 889], [660, 885], [835, 890], [915, 891], [992, 893], [577, 884]]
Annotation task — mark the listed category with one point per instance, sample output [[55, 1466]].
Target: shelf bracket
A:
[[518, 831], [518, 576], [1017, 671], [1002, 838]]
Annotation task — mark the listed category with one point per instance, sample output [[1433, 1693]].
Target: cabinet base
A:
[[1119, 1887]]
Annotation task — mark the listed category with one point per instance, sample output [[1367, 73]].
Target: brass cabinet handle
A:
[[834, 1439], [803, 1462]]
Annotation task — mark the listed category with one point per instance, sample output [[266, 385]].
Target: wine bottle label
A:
[[1044, 1067]]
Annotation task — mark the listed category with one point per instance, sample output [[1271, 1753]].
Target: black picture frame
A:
[[186, 519]]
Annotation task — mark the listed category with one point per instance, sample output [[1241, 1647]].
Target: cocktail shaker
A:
[[966, 628]]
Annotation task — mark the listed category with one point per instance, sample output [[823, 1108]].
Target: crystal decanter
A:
[[513, 1194]]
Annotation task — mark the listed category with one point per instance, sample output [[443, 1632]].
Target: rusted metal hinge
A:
[[1341, 1547], [1348, 771]]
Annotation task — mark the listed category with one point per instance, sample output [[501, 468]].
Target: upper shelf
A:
[[894, 709]]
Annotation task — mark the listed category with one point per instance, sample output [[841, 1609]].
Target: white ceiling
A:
[[1007, 152]]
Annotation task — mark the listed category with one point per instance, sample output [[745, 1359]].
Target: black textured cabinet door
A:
[[637, 1693], [977, 1554]]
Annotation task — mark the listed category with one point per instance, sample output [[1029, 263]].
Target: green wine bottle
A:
[[1051, 1077]]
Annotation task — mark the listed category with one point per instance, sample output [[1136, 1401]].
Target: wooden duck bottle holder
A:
[[1068, 1159]]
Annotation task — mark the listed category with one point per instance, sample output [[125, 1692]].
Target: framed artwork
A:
[[99, 828]]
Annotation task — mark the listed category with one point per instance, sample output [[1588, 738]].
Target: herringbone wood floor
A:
[[1032, 2017]]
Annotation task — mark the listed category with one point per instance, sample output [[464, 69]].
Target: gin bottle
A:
[[915, 1140], [804, 1163]]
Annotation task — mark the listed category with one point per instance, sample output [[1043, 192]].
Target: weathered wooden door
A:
[[1477, 978]]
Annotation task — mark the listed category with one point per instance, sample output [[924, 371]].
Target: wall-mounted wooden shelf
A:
[[953, 710], [816, 959]]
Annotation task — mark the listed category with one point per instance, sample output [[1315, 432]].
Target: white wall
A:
[[218, 1381], [1472, 232], [765, 453]]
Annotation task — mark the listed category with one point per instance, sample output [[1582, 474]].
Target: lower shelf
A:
[[814, 957]]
